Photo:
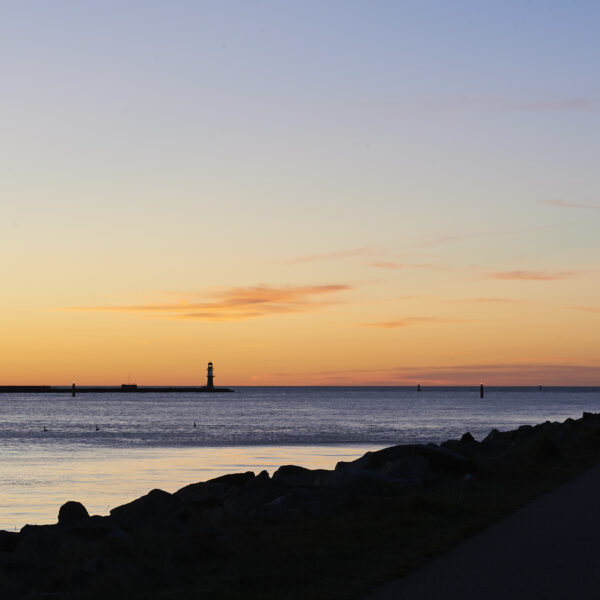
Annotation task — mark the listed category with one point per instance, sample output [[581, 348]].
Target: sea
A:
[[106, 449]]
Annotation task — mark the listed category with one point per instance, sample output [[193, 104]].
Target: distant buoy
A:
[[194, 423], [73, 390], [481, 391], [418, 387], [97, 428], [45, 428], [540, 387]]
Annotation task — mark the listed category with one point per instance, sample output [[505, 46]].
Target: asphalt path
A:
[[547, 550]]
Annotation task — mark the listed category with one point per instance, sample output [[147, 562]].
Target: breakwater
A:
[[108, 389]]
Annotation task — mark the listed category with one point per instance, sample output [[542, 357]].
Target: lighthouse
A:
[[210, 384]]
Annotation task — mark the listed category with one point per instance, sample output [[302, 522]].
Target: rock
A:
[[72, 511], [254, 494], [540, 446], [93, 528], [118, 544], [9, 540], [440, 459], [493, 435], [157, 511], [415, 468], [215, 488], [40, 543], [297, 476], [74, 551], [9, 563], [467, 438], [303, 501]]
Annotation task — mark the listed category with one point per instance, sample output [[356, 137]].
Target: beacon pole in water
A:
[[481, 391]]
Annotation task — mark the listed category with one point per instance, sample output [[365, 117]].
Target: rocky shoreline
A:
[[168, 544]]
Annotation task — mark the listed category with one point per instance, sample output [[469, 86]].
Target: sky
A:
[[305, 193]]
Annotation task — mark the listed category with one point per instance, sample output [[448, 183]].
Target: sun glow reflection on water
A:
[[33, 489]]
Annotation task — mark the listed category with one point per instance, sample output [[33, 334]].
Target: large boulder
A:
[[40, 543], [297, 502], [441, 460], [254, 494], [413, 468], [93, 528], [538, 446], [467, 446], [298, 476], [207, 494], [74, 551], [72, 511], [467, 438], [9, 540], [157, 511]]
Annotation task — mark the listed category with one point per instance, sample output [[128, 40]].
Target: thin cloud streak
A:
[[411, 321], [438, 240], [399, 266], [353, 252], [532, 275], [592, 309], [567, 204], [236, 304], [492, 301], [499, 104], [553, 105], [526, 373]]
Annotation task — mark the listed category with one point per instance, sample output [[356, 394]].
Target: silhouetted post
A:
[[481, 391], [540, 387], [210, 384], [73, 390], [418, 387]]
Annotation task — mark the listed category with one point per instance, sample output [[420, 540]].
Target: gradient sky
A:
[[332, 192]]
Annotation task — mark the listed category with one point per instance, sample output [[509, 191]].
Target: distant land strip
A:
[[107, 389]]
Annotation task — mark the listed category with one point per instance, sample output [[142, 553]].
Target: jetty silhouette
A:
[[123, 388]]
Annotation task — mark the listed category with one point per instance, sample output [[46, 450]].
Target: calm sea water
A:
[[149, 440]]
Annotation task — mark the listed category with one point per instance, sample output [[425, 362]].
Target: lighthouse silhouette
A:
[[210, 376]]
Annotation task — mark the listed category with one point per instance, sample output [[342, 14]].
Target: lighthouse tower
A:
[[210, 384]]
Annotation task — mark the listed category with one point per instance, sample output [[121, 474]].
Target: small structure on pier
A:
[[210, 376]]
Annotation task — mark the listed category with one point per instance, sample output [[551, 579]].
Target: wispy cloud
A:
[[567, 204], [501, 104], [565, 104], [408, 321], [353, 252], [398, 266], [592, 309], [532, 275], [238, 303], [492, 300], [428, 242], [525, 373]]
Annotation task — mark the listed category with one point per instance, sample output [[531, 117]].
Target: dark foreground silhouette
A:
[[300, 533]]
